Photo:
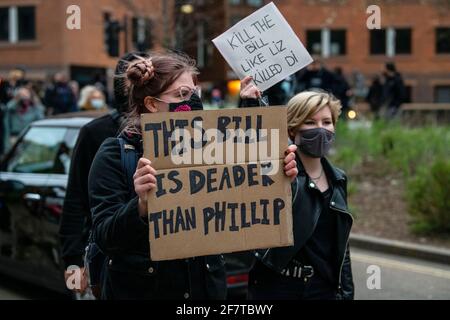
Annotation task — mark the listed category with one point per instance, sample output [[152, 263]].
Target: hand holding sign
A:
[[249, 90], [223, 182], [144, 181], [290, 168], [264, 46]]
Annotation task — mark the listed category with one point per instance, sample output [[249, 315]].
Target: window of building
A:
[[403, 41], [442, 40], [235, 19], [255, 3], [442, 94], [408, 94], [26, 23], [142, 34], [4, 24], [378, 41], [391, 41], [251, 3], [314, 41], [17, 23], [338, 43], [327, 42]]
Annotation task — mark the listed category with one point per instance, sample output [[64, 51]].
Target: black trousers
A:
[[266, 284]]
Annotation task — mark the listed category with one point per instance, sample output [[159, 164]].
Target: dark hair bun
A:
[[140, 71]]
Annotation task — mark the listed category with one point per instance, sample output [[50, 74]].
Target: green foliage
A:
[[420, 154], [428, 196]]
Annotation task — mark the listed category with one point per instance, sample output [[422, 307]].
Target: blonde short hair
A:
[[85, 94], [305, 104]]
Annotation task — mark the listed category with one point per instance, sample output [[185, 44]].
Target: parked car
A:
[[33, 178]]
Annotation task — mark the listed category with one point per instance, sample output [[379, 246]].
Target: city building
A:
[[43, 37]]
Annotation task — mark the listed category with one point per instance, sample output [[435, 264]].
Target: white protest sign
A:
[[264, 46]]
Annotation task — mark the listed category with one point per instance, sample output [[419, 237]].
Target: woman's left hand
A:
[[290, 165], [248, 89]]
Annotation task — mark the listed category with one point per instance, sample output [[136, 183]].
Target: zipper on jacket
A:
[[346, 244]]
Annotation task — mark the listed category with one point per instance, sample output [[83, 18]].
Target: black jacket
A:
[[306, 209], [76, 217], [394, 91], [124, 236]]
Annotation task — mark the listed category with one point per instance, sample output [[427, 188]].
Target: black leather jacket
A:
[[306, 208]]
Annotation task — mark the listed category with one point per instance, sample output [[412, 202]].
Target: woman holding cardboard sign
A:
[[164, 83], [318, 265]]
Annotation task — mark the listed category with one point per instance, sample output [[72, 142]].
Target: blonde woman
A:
[[318, 265], [91, 98]]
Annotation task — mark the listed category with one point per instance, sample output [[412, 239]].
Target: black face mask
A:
[[315, 142], [193, 104]]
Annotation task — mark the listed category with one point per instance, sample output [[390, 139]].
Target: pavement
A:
[[399, 277], [382, 269], [407, 249]]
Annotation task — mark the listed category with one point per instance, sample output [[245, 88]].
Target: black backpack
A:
[[95, 259]]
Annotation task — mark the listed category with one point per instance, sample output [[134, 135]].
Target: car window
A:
[[66, 151], [42, 150]]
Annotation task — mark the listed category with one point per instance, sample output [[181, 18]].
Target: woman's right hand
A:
[[144, 181]]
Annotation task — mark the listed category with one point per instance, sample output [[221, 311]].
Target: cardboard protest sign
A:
[[263, 46], [221, 186]]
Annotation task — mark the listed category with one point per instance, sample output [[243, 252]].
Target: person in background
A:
[[359, 86], [75, 89], [216, 98], [76, 221], [59, 97], [23, 109], [341, 90], [375, 97], [4, 99], [316, 76], [91, 98], [393, 90]]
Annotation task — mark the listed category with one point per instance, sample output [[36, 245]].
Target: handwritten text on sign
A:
[[263, 46], [211, 207]]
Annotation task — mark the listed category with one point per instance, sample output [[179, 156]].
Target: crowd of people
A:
[[23, 101], [384, 97], [105, 207]]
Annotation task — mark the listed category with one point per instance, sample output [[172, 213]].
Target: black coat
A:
[[76, 217], [394, 91], [306, 210], [124, 236]]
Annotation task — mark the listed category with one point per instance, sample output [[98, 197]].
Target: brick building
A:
[[208, 19], [34, 35], [415, 35]]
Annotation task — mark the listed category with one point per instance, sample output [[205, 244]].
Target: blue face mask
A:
[[97, 103]]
